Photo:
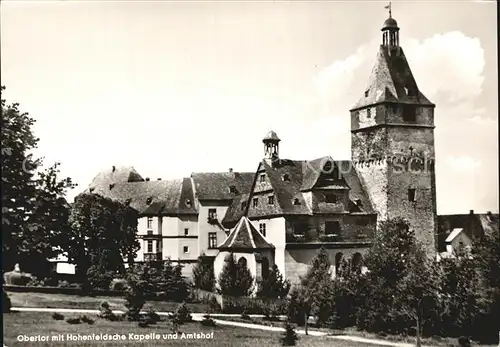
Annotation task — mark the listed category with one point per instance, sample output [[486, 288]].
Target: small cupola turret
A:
[[390, 32], [271, 145]]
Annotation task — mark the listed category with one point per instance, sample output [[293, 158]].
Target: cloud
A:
[[449, 70]]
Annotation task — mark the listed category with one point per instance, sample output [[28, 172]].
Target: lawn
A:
[[87, 302], [33, 324], [435, 341]]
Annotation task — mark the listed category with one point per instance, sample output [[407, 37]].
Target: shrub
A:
[[203, 274], [119, 285], [143, 324], [57, 316], [105, 312], [87, 320], [182, 314], [245, 315], [151, 316], [289, 336], [76, 320], [6, 303], [235, 278], [208, 321], [274, 286]]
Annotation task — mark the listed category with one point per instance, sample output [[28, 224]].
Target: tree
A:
[[235, 278], [34, 212], [103, 234], [274, 286], [48, 223], [318, 286], [401, 286], [289, 336], [203, 274]]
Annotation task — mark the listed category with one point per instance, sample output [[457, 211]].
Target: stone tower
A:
[[392, 133]]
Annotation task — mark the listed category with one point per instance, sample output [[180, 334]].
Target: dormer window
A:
[[92, 189], [149, 200], [286, 178], [243, 205], [327, 167], [232, 189], [331, 198], [188, 203], [128, 201], [111, 186], [296, 201], [367, 92]]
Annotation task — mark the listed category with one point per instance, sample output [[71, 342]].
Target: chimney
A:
[[471, 212], [147, 179], [113, 169], [230, 170], [159, 178]]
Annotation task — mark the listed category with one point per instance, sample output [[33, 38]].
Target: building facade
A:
[[295, 206]]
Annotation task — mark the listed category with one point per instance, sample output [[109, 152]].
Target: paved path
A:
[[199, 317]]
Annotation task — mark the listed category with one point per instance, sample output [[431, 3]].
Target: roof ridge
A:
[[250, 232]]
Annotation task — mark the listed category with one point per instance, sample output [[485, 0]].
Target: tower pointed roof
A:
[[391, 80], [245, 236]]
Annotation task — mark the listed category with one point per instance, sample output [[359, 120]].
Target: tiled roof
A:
[[216, 185], [454, 234], [235, 211], [390, 76], [245, 236], [304, 176], [474, 225], [114, 175], [153, 197]]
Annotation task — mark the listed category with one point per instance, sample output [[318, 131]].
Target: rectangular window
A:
[[150, 246], [186, 249], [212, 213], [212, 240], [412, 194], [368, 113], [262, 229], [331, 198], [150, 232], [332, 227], [409, 113], [270, 199], [158, 246], [255, 202], [150, 222], [262, 178], [186, 232]]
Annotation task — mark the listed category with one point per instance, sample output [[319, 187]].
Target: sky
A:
[[177, 87]]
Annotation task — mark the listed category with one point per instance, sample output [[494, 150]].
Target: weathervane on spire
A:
[[390, 9]]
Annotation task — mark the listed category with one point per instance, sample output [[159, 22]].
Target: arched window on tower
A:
[[242, 262], [265, 267]]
